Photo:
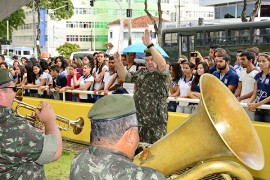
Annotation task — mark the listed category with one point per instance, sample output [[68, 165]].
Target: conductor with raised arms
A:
[[151, 91]]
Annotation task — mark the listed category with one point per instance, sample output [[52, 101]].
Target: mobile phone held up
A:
[[193, 54]]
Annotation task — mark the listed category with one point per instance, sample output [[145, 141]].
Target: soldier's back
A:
[[104, 163]]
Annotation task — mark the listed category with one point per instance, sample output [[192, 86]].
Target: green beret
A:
[[112, 107], [5, 76]]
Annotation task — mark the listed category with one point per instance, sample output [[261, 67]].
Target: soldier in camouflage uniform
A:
[[151, 92], [114, 139], [23, 148]]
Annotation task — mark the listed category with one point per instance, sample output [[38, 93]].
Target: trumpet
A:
[[77, 124]]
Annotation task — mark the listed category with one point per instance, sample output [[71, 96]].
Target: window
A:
[[240, 8], [227, 11], [265, 10], [85, 38], [199, 39], [244, 36], [215, 37], [170, 40], [165, 1], [136, 35], [261, 35], [238, 37], [26, 52], [72, 38], [76, 24]]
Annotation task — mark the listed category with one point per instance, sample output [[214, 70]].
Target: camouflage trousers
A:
[[151, 134]]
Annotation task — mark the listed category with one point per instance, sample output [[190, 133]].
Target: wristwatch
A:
[[150, 45]]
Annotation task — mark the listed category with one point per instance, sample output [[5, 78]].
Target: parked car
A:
[[81, 54]]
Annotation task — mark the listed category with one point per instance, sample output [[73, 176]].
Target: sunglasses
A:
[[15, 89], [138, 126]]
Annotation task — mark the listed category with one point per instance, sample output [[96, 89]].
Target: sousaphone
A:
[[219, 127]]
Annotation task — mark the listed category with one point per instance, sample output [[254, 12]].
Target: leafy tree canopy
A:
[[15, 20], [66, 49], [61, 11]]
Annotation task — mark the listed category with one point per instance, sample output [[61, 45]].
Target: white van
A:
[[23, 52], [81, 54]]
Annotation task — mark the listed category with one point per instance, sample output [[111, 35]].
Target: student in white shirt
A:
[[39, 78], [111, 80], [99, 72], [183, 87], [246, 82], [84, 82]]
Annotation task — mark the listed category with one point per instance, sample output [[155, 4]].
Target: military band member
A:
[[114, 139], [23, 148]]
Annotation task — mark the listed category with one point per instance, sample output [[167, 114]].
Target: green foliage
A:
[[67, 48], [58, 14], [15, 20], [57, 11]]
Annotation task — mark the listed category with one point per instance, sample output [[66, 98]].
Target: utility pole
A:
[[129, 24], [34, 30], [179, 22], [7, 29], [119, 47]]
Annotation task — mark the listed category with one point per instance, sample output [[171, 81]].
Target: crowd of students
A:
[[53, 77], [248, 79]]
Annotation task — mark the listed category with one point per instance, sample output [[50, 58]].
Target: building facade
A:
[[88, 27], [230, 10]]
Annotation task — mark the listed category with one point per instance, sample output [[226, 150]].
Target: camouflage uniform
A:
[[100, 163], [150, 100], [22, 148]]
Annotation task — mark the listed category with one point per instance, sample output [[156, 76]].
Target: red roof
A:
[[138, 22]]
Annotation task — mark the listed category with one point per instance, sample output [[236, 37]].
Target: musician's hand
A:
[[46, 113], [42, 129]]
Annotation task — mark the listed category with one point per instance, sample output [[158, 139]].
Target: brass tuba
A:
[[64, 123], [219, 127]]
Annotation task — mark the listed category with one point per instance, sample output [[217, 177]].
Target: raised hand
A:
[[146, 38], [117, 57]]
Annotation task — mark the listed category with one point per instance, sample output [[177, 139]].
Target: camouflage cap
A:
[[112, 107], [147, 52], [5, 76]]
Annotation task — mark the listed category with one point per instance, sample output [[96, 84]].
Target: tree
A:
[[59, 11], [160, 20], [15, 20], [254, 12], [67, 48]]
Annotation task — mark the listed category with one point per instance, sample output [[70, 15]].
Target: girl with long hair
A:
[[176, 74], [22, 75], [261, 93]]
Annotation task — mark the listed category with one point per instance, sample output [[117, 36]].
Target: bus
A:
[[232, 37], [9, 51]]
